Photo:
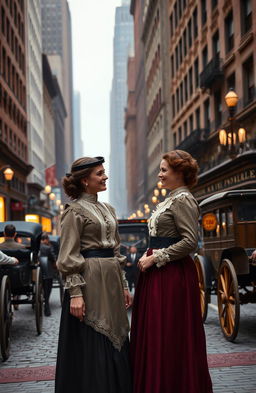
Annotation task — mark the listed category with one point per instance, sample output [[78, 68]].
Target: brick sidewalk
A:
[[232, 365]]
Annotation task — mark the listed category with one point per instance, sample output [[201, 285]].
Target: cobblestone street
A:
[[233, 373]]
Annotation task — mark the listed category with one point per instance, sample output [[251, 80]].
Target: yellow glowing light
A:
[[8, 174], [2, 209], [154, 199], [231, 99], [159, 184], [242, 135], [156, 192], [163, 192], [32, 218], [47, 189], [52, 196], [223, 137]]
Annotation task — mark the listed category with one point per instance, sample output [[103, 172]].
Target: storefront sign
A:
[[209, 222], [234, 180], [16, 206]]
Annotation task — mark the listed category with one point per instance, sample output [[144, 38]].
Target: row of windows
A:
[[12, 5], [153, 32], [12, 78], [190, 33], [153, 68], [12, 110], [186, 88], [13, 43], [17, 22], [155, 108], [248, 96], [8, 136]]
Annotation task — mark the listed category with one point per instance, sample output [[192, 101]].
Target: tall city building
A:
[[78, 142], [136, 118], [123, 42], [213, 49], [13, 110], [57, 45], [155, 37], [35, 95]]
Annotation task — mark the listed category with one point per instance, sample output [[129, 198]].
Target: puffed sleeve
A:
[[121, 258], [70, 261], [186, 213]]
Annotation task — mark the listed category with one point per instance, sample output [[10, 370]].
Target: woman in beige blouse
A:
[[167, 335], [93, 350]]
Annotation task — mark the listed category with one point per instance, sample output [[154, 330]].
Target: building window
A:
[[196, 70], [180, 51], [186, 87], [246, 15], [198, 123], [191, 124], [248, 81], [181, 95], [231, 81], [229, 32], [173, 105], [190, 81], [185, 130], [217, 108], [185, 43], [177, 58], [214, 4], [205, 56], [175, 139], [204, 11], [175, 15], [177, 100], [172, 66], [171, 25], [190, 33], [207, 114], [195, 22], [179, 135], [216, 44]]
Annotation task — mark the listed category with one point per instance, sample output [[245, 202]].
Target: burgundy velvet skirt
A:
[[168, 345]]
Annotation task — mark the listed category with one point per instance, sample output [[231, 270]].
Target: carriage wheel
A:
[[228, 300], [5, 316], [61, 288], [202, 285], [38, 300]]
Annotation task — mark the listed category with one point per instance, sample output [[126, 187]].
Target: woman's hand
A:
[[127, 298], [145, 262], [77, 307]]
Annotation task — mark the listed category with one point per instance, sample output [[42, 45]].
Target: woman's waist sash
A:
[[162, 242], [98, 253]]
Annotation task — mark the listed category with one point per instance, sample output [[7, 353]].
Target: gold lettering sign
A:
[[209, 222]]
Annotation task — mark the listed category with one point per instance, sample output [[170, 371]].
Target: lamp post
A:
[[8, 175], [230, 139]]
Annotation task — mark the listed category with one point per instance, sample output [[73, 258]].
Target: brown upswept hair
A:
[[72, 184], [181, 161]]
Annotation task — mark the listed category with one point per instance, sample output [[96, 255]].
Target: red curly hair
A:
[[181, 161]]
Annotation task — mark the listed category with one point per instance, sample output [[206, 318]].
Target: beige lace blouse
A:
[[89, 224], [176, 217]]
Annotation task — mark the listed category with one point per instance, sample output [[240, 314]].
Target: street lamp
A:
[[229, 138], [8, 172]]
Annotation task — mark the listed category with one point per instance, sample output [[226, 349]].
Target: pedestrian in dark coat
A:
[[48, 261], [131, 268]]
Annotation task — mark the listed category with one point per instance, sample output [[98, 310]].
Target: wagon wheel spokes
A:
[[228, 300], [202, 285]]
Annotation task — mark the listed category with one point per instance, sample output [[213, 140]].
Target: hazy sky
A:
[[93, 32]]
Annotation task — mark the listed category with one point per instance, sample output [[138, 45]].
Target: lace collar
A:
[[178, 191], [93, 198]]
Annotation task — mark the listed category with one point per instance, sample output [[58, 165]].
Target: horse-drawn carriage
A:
[[225, 266], [22, 283]]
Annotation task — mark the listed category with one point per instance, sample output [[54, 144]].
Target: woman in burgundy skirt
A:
[[167, 336]]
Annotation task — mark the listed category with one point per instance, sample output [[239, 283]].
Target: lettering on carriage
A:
[[249, 174]]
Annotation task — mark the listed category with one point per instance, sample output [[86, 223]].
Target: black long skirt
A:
[[87, 362]]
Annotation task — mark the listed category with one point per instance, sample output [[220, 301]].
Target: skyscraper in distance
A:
[[57, 45], [123, 42], [78, 142]]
